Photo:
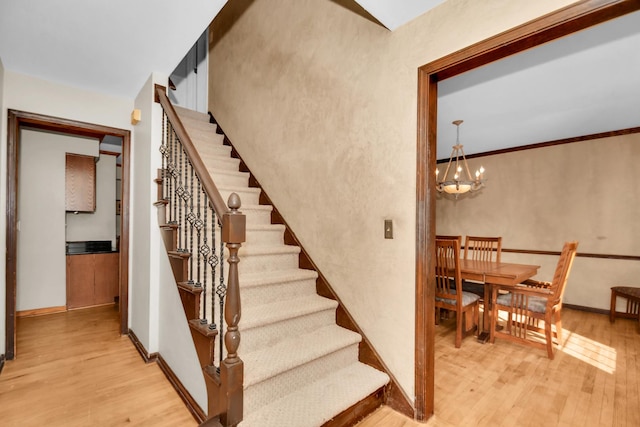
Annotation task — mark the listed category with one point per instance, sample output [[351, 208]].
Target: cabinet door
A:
[[106, 277], [80, 183], [80, 281]]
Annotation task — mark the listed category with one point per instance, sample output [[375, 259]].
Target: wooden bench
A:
[[633, 303]]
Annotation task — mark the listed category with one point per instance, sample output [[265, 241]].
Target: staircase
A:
[[300, 368]]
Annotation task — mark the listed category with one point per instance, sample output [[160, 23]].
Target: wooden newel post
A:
[[232, 367]]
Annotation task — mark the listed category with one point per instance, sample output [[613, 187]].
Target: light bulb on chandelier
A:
[[457, 184]]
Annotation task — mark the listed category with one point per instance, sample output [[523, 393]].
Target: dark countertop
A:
[[89, 247], [89, 253]]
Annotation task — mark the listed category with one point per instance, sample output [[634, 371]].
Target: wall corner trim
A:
[[146, 356], [196, 411]]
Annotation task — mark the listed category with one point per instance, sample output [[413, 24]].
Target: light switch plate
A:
[[388, 229]]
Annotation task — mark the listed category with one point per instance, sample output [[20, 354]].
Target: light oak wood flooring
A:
[[74, 369], [594, 379]]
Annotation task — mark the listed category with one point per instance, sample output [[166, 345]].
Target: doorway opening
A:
[[18, 120], [560, 23]]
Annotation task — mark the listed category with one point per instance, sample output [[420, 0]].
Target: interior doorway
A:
[[563, 22], [17, 120]]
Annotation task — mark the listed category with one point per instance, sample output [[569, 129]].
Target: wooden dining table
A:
[[500, 273]]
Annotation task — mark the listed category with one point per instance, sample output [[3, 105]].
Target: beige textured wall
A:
[[321, 103], [538, 199]]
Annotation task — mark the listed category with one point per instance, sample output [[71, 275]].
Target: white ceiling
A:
[[582, 84], [109, 46], [393, 14], [579, 85]]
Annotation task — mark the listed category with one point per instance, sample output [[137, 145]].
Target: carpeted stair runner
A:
[[301, 369]]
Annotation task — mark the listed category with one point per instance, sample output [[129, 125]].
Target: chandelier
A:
[[457, 184]]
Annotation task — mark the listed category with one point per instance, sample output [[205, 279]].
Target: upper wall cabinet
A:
[[80, 183]]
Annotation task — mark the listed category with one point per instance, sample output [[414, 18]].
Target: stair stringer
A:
[[204, 340], [177, 349]]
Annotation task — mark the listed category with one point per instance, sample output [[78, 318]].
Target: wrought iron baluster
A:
[[180, 193], [188, 200], [197, 224], [164, 155], [172, 175], [205, 251]]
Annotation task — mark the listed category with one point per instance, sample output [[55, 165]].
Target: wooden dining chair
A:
[[447, 237], [446, 313], [483, 248], [480, 249], [448, 292], [533, 302]]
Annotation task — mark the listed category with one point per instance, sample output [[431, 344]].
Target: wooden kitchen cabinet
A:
[[92, 279], [80, 183]]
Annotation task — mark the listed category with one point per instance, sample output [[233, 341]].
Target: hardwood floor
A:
[[593, 381], [74, 369]]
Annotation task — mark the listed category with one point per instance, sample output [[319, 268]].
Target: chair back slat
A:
[[483, 248], [448, 276], [561, 275], [447, 237]]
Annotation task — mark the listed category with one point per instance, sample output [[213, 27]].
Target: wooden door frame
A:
[[560, 23], [17, 119]]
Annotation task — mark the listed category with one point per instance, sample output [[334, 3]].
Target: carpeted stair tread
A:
[[230, 163], [230, 173], [231, 188], [266, 314], [321, 400], [264, 234], [213, 150], [220, 153], [205, 130], [229, 178], [255, 250], [185, 112], [248, 195], [250, 249], [269, 287], [256, 207], [286, 354], [195, 117], [257, 214], [201, 137], [265, 227], [198, 124], [279, 276]]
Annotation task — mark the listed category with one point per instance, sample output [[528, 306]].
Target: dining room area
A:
[[593, 379], [507, 353], [550, 154], [476, 277], [538, 247]]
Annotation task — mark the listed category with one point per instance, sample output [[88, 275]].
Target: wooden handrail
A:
[[219, 205], [225, 389]]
